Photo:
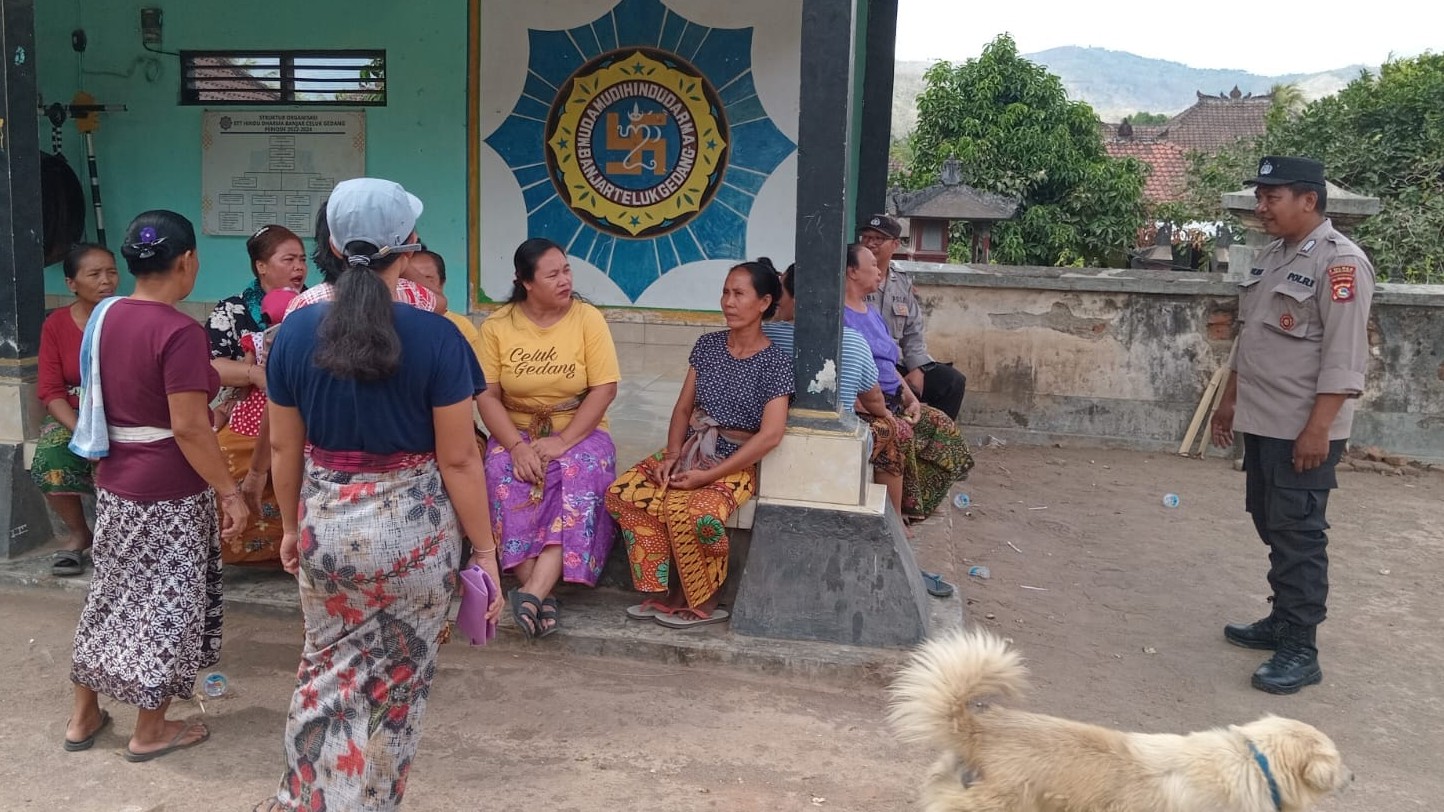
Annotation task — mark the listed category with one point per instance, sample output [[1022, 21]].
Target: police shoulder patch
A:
[[1341, 282]]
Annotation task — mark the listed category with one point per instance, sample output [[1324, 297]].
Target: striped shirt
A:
[[858, 373]]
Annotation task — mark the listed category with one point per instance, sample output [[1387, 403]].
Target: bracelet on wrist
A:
[[233, 494]]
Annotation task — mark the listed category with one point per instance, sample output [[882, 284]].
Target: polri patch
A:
[[1286, 321], [1341, 283], [1306, 281], [1255, 271]]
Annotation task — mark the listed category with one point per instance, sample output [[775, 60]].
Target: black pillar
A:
[[877, 92], [24, 522], [824, 150], [22, 286]]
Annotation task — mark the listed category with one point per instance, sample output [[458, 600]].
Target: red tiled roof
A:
[[1167, 162], [1214, 122]]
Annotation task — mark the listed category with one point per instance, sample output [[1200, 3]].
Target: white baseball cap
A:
[[372, 210]]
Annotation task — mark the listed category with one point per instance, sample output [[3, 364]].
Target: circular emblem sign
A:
[[637, 142]]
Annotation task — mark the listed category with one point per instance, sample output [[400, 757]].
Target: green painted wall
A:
[[150, 155]]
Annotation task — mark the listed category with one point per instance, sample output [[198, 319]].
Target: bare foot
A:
[[84, 726], [175, 734], [76, 541]]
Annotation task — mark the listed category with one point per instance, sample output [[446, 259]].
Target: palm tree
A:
[[1289, 101]]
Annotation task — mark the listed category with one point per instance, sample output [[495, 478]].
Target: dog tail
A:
[[932, 694]]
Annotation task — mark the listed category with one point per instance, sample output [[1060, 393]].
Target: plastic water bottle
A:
[[1170, 500], [962, 501], [979, 572], [214, 684]]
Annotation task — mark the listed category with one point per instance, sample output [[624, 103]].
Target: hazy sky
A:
[[1268, 38]]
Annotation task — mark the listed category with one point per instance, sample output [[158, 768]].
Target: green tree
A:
[[1014, 132], [1149, 119], [1382, 135]]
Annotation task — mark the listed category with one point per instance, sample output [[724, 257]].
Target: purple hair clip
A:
[[145, 249]]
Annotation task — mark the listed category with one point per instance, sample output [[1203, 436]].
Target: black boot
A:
[[1294, 665], [1261, 634]]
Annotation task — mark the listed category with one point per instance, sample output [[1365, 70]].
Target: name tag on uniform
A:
[[900, 309], [1306, 281], [1255, 272]]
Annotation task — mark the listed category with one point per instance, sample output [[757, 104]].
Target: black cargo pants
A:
[[1288, 513]]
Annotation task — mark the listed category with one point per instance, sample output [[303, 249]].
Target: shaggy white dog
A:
[[1000, 760]]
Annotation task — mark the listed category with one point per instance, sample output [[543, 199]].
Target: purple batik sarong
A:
[[569, 510]]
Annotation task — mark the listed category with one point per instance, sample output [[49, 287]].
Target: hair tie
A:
[[145, 249], [358, 260]]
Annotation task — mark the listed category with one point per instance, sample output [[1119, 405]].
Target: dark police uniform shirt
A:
[[1305, 316]]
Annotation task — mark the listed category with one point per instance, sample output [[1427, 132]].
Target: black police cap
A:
[[1281, 170]]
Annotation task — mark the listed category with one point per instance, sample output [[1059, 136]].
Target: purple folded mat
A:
[[475, 598]]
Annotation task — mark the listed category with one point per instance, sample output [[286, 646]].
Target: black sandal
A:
[[68, 563], [526, 618], [549, 611]]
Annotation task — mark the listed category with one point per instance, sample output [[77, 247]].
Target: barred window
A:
[[290, 78]]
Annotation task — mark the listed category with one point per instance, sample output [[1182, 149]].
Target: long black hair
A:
[[765, 282], [527, 255], [357, 339], [155, 240], [79, 251]]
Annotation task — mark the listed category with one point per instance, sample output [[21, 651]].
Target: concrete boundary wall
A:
[[1112, 357], [1119, 357]]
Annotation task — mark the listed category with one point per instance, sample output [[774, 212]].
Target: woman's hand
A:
[[692, 480], [912, 407], [549, 448], [256, 377], [527, 463], [252, 486], [290, 552], [487, 561], [660, 471], [235, 516]]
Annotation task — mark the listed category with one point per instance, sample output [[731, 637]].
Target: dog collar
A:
[[1263, 764]]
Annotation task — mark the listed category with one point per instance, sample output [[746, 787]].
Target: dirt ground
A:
[[1129, 630], [1122, 629]]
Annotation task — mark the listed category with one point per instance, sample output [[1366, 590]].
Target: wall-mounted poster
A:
[[653, 140], [260, 168]]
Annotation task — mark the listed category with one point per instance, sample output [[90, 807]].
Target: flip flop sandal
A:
[[549, 611], [524, 617], [174, 745], [68, 563], [89, 741], [678, 622], [645, 611], [936, 586]]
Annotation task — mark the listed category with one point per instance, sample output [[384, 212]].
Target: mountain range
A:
[[1117, 83]]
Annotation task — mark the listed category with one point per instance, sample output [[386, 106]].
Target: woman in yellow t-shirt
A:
[[551, 372]]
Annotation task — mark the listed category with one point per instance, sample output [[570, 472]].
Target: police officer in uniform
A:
[[938, 385], [1297, 372]]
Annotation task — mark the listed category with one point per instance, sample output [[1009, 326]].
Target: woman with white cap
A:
[[383, 394]]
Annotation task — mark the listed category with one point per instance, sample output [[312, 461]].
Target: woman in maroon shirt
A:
[[61, 475], [152, 617]]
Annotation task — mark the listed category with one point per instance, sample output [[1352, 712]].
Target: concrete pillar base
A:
[[24, 519], [832, 574]]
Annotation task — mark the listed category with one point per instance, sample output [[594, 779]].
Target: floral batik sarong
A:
[[260, 541], [379, 546], [670, 532], [889, 436], [568, 510], [937, 457], [56, 470], [152, 618]]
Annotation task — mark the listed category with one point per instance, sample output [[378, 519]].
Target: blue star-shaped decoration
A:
[[755, 147]]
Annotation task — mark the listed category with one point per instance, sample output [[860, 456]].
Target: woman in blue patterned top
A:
[[732, 410]]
